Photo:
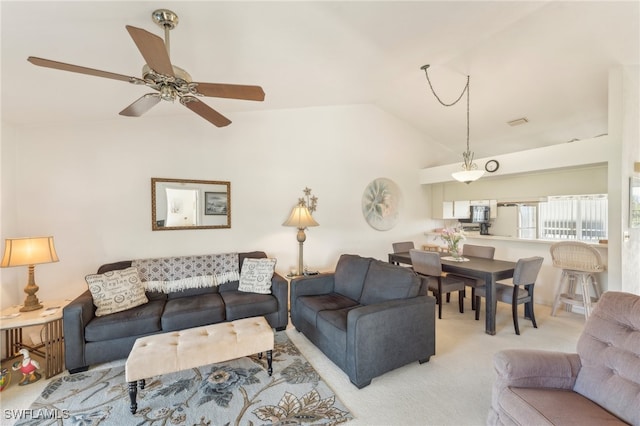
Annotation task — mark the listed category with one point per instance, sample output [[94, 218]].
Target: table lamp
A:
[[29, 251], [300, 218]]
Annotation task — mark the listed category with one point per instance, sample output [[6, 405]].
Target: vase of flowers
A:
[[453, 237]]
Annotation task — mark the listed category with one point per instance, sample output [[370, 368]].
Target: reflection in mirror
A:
[[190, 204]]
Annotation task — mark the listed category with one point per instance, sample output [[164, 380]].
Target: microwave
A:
[[480, 214]]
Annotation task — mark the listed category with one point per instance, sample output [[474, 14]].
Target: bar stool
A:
[[579, 262]]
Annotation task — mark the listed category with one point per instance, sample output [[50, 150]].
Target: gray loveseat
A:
[[369, 317], [90, 339], [600, 384]]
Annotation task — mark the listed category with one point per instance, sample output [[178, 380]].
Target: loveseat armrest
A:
[[387, 335], [75, 317], [311, 285]]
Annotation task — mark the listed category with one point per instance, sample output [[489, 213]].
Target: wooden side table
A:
[[12, 322]]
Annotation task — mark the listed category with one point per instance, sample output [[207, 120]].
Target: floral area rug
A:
[[238, 392]]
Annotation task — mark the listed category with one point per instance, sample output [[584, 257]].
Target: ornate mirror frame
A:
[[178, 204]]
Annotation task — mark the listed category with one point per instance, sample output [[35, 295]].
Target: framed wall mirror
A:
[[190, 204]]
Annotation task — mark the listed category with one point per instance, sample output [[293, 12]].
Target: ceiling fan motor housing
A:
[[165, 18]]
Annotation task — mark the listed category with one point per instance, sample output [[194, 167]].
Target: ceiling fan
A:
[[168, 80]]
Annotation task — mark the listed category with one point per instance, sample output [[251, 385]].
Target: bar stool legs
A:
[[572, 279]]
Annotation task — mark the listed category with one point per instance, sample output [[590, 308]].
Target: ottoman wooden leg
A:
[[133, 392], [269, 362]]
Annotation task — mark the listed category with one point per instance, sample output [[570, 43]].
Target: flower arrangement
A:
[[453, 237]]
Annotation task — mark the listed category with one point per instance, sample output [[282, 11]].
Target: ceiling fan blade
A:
[[205, 111], [142, 105], [82, 70], [232, 91], [153, 50]]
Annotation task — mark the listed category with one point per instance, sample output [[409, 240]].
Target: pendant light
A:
[[469, 172]]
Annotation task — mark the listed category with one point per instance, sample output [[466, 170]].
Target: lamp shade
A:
[[28, 251], [300, 218]]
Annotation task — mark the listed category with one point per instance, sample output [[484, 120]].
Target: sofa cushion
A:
[[309, 306], [529, 406], [116, 291], [256, 275], [336, 318], [385, 281], [192, 292], [350, 273], [143, 319], [239, 304], [188, 312], [332, 325]]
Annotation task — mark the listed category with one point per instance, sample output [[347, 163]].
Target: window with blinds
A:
[[574, 217]]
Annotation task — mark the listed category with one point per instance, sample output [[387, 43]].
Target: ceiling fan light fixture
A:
[[167, 93]]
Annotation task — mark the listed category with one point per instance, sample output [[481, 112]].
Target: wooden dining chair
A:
[[485, 252], [521, 291], [427, 265]]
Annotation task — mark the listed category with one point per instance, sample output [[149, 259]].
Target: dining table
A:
[[489, 270]]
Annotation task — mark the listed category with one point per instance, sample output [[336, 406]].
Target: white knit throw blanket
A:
[[171, 274]]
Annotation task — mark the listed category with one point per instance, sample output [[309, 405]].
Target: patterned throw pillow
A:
[[116, 291], [256, 275]]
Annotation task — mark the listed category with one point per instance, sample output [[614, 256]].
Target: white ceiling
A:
[[547, 61]]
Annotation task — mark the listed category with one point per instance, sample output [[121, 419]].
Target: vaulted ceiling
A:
[[546, 61]]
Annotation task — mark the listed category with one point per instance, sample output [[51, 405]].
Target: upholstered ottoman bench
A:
[[181, 350]]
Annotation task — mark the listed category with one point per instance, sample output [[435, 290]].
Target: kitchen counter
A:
[[435, 237]]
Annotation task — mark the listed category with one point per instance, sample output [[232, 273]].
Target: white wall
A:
[[624, 125], [89, 186]]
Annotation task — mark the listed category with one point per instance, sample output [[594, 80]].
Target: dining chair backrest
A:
[[486, 252], [426, 262], [402, 247], [576, 256], [527, 269]]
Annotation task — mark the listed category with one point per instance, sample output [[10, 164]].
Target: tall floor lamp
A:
[[29, 251], [300, 218]]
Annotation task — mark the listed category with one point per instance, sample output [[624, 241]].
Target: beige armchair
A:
[[600, 384]]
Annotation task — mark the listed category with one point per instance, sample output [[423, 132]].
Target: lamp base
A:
[[31, 303]]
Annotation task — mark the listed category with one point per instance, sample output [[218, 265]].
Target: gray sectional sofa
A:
[[91, 339], [368, 317]]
